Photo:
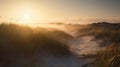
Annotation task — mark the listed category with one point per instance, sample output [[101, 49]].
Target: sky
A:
[[57, 10]]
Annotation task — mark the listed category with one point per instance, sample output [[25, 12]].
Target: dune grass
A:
[[108, 57], [22, 41]]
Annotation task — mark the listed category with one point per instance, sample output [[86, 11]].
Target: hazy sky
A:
[[61, 9]]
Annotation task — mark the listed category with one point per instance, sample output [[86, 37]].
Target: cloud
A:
[[88, 21]]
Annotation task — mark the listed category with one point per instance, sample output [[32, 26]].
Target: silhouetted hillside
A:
[[24, 42], [106, 25]]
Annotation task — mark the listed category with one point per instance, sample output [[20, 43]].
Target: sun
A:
[[26, 18], [27, 14]]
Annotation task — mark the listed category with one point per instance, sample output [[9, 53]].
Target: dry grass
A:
[[108, 57], [21, 41]]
